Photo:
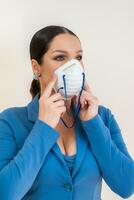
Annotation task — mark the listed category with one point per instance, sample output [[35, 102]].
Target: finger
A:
[[87, 87], [62, 110], [50, 86], [59, 103], [87, 98], [55, 97], [84, 92]]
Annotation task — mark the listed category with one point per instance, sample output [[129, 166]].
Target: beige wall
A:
[[106, 30]]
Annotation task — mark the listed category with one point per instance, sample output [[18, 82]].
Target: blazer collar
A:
[[81, 138], [33, 108]]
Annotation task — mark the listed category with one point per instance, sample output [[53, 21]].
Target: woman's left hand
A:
[[89, 104]]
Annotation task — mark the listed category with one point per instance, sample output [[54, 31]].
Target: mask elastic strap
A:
[[65, 92], [78, 104]]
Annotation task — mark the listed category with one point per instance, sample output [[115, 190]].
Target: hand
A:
[[51, 107], [89, 104]]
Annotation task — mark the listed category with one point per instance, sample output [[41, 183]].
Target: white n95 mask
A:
[[70, 79], [70, 82]]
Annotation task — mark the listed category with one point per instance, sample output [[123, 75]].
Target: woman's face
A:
[[63, 48]]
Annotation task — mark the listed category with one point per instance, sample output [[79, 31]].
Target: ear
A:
[[35, 66]]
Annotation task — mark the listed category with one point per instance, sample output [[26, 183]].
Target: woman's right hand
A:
[[51, 107]]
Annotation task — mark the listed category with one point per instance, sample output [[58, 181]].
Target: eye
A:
[[79, 57], [59, 58], [62, 57]]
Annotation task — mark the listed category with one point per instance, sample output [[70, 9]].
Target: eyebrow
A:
[[58, 50]]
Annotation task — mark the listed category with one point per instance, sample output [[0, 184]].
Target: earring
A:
[[36, 76]]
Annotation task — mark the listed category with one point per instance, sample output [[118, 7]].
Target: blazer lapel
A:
[[33, 108], [81, 145], [81, 140]]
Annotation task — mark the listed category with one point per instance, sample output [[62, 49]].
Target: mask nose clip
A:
[[78, 106]]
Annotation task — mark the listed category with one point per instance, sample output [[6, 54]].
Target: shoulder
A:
[[14, 120], [12, 113], [106, 114], [103, 110]]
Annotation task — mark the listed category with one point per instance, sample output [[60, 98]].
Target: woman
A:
[[41, 158]]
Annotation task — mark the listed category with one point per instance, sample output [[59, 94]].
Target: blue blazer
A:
[[32, 166]]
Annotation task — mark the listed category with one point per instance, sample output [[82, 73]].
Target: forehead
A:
[[66, 42]]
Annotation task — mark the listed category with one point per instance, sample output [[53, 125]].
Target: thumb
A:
[[50, 86]]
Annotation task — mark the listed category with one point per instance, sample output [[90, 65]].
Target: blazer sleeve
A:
[[18, 169], [109, 148]]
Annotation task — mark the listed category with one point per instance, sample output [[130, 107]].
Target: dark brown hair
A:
[[39, 45]]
